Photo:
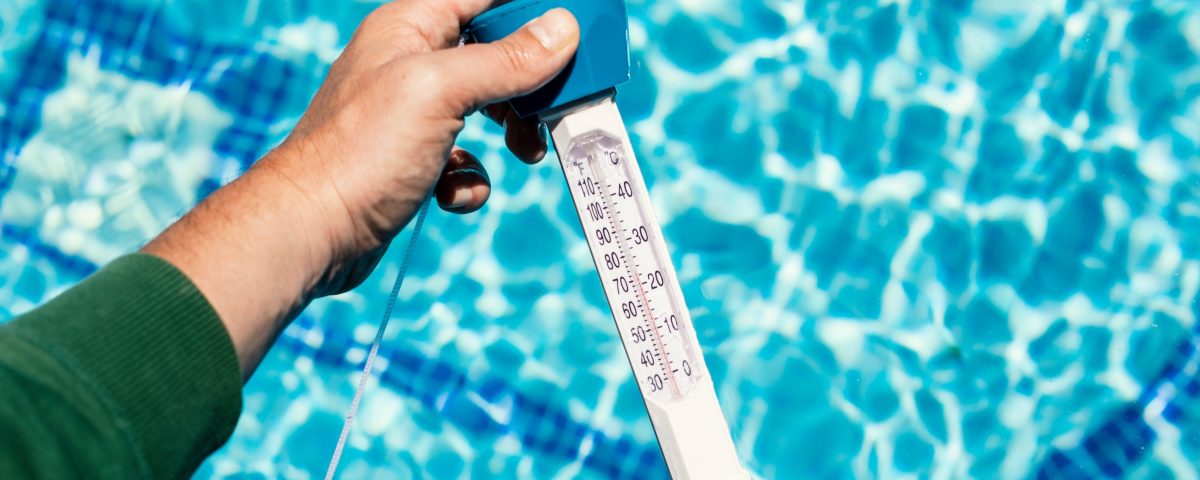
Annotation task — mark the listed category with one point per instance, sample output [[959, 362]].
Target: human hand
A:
[[379, 132], [314, 216]]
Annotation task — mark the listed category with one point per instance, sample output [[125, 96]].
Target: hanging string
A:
[[387, 315]]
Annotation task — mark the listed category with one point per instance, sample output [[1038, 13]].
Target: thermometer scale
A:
[[624, 235], [632, 261], [640, 283]]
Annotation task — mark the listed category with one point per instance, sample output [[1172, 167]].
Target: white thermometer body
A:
[[640, 284]]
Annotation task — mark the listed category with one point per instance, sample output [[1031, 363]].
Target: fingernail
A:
[[553, 29], [461, 197]]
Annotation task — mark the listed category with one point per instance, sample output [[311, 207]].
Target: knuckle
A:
[[377, 17], [426, 81], [435, 91], [401, 25], [512, 55]]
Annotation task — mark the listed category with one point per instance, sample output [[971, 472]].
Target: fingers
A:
[[464, 186], [524, 138], [462, 11], [417, 26], [482, 74], [497, 112]]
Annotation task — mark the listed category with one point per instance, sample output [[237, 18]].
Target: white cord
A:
[[387, 314]]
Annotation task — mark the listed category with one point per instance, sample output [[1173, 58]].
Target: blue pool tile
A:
[[31, 283], [932, 414], [310, 455], [523, 295], [1161, 35], [756, 21], [527, 240], [811, 117], [1077, 225], [862, 147], [688, 44], [712, 328], [469, 415], [912, 453], [1053, 173], [949, 242], [723, 247], [66, 262], [873, 395], [1011, 76], [1163, 52], [1097, 108], [1006, 251], [883, 31], [923, 133], [636, 99], [944, 18], [1001, 154], [1047, 351], [1070, 86], [138, 42], [809, 209], [827, 251], [732, 149], [1072, 232], [1118, 169]]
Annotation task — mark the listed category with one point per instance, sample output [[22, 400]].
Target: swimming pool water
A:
[[920, 238]]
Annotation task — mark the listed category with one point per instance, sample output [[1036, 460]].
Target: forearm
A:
[[256, 249], [314, 216]]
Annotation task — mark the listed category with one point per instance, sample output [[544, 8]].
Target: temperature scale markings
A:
[[657, 335], [692, 432], [636, 280]]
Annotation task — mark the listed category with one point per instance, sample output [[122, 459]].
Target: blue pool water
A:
[[920, 238]]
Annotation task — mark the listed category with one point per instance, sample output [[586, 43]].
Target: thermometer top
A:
[[601, 62]]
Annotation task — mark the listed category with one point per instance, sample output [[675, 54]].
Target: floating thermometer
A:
[[625, 237], [643, 292]]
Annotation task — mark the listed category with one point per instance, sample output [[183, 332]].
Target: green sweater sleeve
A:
[[130, 374]]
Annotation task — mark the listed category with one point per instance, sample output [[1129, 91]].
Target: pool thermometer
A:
[[624, 235]]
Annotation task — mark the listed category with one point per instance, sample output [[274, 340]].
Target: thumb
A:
[[481, 74]]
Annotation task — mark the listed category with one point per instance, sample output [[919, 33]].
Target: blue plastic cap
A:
[[601, 63]]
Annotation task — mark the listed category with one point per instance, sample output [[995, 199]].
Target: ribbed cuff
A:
[[143, 335]]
